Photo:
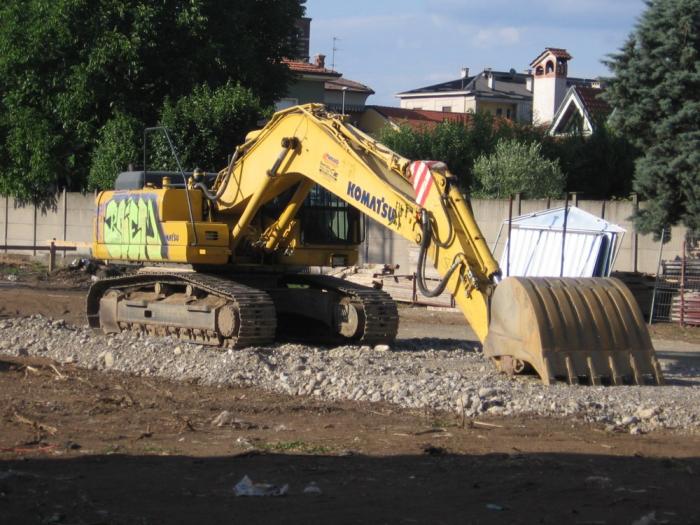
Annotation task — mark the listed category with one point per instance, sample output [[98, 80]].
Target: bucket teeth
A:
[[616, 377], [587, 331], [571, 373]]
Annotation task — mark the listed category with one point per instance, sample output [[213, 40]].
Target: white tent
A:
[[590, 244]]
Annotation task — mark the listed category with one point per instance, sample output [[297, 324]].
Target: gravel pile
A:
[[416, 373]]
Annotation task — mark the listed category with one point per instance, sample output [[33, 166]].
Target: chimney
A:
[[489, 77], [320, 60], [528, 80], [465, 72]]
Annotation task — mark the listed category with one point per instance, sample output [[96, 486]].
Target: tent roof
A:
[[577, 220]]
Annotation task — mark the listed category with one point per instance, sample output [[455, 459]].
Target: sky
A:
[[397, 45]]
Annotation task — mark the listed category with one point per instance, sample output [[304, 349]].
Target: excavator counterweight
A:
[[290, 199]]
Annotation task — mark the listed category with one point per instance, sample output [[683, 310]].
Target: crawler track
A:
[[256, 310], [381, 314], [257, 320]]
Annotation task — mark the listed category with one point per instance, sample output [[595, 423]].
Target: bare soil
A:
[[85, 447], [88, 447]]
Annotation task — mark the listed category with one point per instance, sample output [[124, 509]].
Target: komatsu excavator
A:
[[294, 196]]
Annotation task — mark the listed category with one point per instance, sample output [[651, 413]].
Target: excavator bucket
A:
[[580, 330]]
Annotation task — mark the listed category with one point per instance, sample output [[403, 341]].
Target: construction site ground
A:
[[80, 446]]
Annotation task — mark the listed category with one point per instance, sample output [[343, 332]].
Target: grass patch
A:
[[295, 446]]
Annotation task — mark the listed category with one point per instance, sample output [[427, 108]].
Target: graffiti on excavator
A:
[[130, 228]]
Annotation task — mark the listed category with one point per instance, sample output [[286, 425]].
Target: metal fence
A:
[[677, 288]]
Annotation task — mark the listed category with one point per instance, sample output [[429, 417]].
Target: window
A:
[[539, 71], [327, 219], [509, 113], [549, 67], [499, 112], [447, 109]]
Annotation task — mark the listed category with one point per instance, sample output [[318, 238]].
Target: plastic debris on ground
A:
[[312, 488], [246, 487]]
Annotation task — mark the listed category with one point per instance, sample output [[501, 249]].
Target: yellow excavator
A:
[[293, 197]]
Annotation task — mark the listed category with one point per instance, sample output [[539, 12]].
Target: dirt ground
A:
[[87, 447]]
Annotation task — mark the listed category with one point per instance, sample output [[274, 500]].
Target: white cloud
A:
[[496, 37], [562, 13], [364, 23]]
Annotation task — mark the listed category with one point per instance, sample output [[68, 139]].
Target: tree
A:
[[205, 127], [67, 67], [458, 144], [118, 145], [656, 96], [600, 165], [518, 167]]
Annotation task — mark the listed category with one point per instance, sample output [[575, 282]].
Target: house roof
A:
[[419, 118], [338, 84], [556, 51], [587, 102], [309, 68], [507, 84], [596, 107]]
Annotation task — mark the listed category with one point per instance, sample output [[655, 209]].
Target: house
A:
[[551, 83], [309, 84], [504, 94], [346, 96], [532, 97], [375, 118], [581, 111], [316, 83]]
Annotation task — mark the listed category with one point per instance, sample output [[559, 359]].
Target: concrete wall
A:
[[459, 104], [306, 91], [385, 247], [71, 220], [547, 94]]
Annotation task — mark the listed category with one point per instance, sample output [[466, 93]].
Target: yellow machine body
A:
[[584, 329]]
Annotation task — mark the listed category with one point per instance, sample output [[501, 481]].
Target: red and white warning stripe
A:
[[422, 179]]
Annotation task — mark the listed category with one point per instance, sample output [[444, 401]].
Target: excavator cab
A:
[[326, 219]]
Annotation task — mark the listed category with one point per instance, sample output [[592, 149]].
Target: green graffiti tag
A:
[[131, 229]]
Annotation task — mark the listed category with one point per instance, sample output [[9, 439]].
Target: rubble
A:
[[434, 374]]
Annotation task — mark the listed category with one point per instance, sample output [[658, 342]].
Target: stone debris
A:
[[425, 374], [313, 489], [246, 487], [601, 482]]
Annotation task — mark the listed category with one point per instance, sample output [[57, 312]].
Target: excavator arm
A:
[[579, 330], [418, 200]]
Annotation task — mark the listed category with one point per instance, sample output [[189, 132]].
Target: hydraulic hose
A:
[[426, 237], [216, 196], [437, 241]]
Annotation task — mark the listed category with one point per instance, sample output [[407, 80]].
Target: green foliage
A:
[[458, 144], [118, 146], [205, 127], [32, 144], [518, 167], [656, 93], [69, 66], [600, 165]]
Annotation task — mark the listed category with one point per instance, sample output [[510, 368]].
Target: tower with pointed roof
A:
[[549, 70]]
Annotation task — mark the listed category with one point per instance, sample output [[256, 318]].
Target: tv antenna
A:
[[335, 39]]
